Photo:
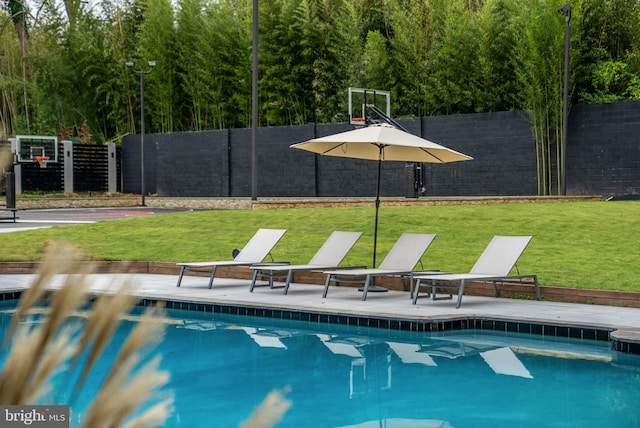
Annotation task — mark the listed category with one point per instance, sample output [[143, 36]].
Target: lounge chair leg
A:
[[288, 281], [271, 279], [535, 283], [416, 289], [254, 277], [213, 273], [181, 274], [460, 293], [411, 287], [326, 286], [366, 287]]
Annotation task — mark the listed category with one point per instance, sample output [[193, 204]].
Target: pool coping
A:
[[514, 290], [343, 307]]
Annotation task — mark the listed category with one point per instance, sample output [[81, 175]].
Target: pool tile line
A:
[[10, 295], [626, 341], [417, 326]]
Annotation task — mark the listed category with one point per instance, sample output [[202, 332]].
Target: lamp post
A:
[[254, 104], [141, 73], [566, 12]]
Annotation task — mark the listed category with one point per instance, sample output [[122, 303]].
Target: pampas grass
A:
[[270, 411], [100, 328], [131, 394], [40, 350]]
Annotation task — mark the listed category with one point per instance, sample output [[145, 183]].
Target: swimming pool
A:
[[223, 365]]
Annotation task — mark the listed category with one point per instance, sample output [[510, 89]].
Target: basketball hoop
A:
[[42, 161], [367, 106]]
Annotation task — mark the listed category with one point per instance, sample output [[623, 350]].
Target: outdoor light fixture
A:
[[566, 12], [141, 73]]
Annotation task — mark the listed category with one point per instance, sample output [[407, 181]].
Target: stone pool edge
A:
[[622, 340]]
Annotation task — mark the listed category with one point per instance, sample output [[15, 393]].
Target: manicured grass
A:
[[575, 244]]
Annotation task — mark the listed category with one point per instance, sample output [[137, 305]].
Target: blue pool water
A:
[[222, 366]]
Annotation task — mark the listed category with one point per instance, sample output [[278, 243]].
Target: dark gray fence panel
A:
[[131, 166], [282, 172], [279, 174], [603, 151], [302, 165], [602, 158], [240, 162], [501, 145], [193, 164]]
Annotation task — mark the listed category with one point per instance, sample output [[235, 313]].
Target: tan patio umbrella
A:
[[381, 142]]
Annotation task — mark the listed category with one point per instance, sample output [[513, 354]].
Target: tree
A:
[[83, 55], [118, 91], [454, 81], [157, 42], [330, 33], [376, 62], [412, 50], [63, 70], [11, 83], [18, 15], [540, 52], [227, 63], [51, 75], [286, 52], [498, 64], [190, 58], [606, 50]]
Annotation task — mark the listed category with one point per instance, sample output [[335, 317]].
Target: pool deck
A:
[[345, 302]]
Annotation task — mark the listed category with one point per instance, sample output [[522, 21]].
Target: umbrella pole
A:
[[372, 287], [375, 229]]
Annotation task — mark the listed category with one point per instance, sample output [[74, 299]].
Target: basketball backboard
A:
[[364, 102], [30, 148]]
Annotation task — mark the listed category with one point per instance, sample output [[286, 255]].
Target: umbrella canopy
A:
[[381, 142]]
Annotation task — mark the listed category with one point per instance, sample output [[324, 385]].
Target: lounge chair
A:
[[401, 260], [329, 256], [505, 362], [264, 338], [494, 265], [410, 353], [342, 347], [254, 252]]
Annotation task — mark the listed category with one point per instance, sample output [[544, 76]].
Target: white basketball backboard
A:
[[30, 148], [360, 101]]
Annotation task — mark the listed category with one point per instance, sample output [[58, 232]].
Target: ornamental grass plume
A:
[[59, 341], [131, 394], [271, 411]]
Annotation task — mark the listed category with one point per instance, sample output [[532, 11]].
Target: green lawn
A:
[[575, 244]]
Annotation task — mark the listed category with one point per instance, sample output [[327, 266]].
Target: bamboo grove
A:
[[62, 66]]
